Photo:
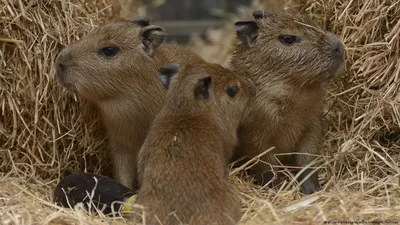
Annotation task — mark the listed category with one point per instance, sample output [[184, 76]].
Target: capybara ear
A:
[[142, 21], [261, 14], [152, 37], [201, 88], [167, 72], [247, 32]]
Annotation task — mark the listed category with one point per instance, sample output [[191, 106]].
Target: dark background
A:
[[184, 17]]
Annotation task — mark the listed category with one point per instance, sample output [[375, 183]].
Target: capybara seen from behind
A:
[[116, 66], [183, 163], [290, 60]]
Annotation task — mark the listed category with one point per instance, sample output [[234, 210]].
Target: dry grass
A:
[[45, 133]]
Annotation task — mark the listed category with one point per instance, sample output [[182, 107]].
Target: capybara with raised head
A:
[[290, 60], [115, 66], [183, 163]]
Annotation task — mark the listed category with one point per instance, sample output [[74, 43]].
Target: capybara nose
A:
[[252, 88], [338, 50], [60, 68], [63, 60]]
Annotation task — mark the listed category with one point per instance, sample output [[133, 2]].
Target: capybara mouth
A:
[[335, 54], [65, 83], [61, 79], [336, 67], [70, 88]]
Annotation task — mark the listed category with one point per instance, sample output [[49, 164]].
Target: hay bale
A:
[[363, 117], [45, 131]]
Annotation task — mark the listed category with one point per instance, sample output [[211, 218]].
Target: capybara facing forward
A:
[[290, 60]]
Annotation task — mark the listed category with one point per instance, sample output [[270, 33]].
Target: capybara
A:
[[183, 163], [290, 60], [115, 66]]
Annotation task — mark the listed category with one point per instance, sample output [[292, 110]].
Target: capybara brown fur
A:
[[290, 60], [183, 163], [115, 66]]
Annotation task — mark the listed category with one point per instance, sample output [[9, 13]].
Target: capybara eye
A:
[[109, 51], [288, 39], [232, 91]]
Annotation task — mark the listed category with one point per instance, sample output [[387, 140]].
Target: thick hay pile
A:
[[364, 118], [45, 132]]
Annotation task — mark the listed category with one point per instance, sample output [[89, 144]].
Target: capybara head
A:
[[105, 62], [288, 47], [209, 87]]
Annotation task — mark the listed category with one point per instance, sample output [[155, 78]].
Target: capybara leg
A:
[[125, 169], [309, 149], [311, 184], [264, 171]]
